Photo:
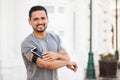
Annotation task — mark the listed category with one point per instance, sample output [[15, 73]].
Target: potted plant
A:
[[107, 65]]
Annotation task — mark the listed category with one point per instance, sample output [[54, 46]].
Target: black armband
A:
[[35, 51], [34, 58]]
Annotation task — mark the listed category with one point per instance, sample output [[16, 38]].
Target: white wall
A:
[[61, 23], [0, 43], [6, 31], [14, 27], [81, 31]]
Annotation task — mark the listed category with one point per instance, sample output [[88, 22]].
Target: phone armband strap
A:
[[34, 58]]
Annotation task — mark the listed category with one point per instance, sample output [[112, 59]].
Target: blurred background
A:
[[70, 19]]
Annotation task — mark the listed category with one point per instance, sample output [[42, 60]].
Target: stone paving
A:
[[101, 78]]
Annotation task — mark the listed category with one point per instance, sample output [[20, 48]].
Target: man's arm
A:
[[63, 55], [54, 64]]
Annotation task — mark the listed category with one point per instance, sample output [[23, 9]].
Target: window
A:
[[50, 9], [61, 9]]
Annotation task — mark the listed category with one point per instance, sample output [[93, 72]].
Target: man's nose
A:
[[40, 21]]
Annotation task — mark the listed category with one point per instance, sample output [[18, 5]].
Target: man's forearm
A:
[[55, 64], [63, 55]]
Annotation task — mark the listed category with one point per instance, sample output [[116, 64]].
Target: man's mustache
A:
[[40, 24]]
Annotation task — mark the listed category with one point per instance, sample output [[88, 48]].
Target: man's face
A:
[[39, 21]]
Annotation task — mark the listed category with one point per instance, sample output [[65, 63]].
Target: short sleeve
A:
[[26, 47]]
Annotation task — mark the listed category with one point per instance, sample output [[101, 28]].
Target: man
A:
[[54, 55]]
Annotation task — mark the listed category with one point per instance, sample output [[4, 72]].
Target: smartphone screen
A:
[[37, 52]]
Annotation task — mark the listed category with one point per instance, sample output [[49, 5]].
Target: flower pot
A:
[[108, 68]]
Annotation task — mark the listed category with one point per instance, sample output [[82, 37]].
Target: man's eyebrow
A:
[[42, 17], [35, 18]]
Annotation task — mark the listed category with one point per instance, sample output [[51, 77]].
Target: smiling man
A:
[[54, 56]]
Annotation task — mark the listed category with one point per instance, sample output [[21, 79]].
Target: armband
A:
[[34, 58], [36, 52]]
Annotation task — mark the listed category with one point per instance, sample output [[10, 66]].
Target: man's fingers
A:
[[73, 66]]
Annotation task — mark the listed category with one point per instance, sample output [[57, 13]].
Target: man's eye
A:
[[43, 18], [35, 19]]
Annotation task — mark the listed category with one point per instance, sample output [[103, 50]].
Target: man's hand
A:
[[73, 66], [50, 56]]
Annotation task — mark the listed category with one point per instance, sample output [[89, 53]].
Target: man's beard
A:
[[40, 31]]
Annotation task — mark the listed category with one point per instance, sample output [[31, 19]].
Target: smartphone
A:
[[37, 52]]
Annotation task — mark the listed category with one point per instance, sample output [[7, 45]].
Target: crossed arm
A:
[[53, 61]]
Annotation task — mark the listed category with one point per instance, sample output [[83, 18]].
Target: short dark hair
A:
[[36, 8]]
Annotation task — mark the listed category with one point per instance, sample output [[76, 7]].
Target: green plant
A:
[[107, 65], [107, 57]]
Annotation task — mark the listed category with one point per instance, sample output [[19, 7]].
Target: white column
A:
[[21, 27], [13, 28], [0, 45], [6, 31], [82, 31]]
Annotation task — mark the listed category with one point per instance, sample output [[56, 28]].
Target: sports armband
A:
[[36, 54], [34, 58]]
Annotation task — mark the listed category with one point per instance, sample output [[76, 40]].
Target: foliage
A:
[[107, 57]]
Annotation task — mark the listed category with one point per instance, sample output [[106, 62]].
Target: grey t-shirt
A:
[[51, 42]]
